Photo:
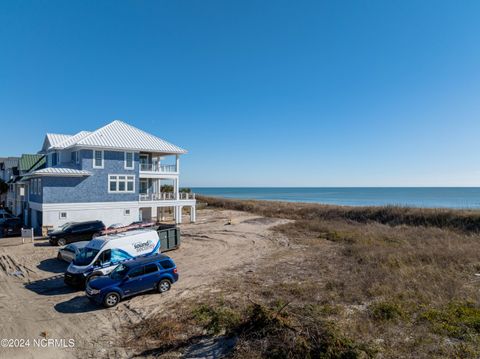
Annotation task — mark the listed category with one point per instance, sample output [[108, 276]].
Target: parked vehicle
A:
[[70, 251], [157, 272], [104, 253], [11, 227], [75, 232], [5, 216]]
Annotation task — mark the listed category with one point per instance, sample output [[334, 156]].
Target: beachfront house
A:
[[116, 174]]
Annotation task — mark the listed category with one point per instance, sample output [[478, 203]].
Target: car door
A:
[[87, 232], [149, 278], [91, 229], [76, 233], [68, 253], [104, 261], [132, 284]]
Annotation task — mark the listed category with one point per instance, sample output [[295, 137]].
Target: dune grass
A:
[[352, 282], [464, 220]]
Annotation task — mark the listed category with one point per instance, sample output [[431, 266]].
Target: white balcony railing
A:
[[154, 167], [184, 195], [165, 196]]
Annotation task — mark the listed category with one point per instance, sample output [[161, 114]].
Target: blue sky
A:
[[262, 93]]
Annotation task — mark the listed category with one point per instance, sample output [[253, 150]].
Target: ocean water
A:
[[432, 197]]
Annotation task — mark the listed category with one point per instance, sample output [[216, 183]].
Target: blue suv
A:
[[139, 275]]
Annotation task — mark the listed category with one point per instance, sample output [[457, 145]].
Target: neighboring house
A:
[[113, 174], [8, 171], [19, 188], [12, 170]]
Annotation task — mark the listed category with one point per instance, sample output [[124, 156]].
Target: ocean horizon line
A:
[[331, 186], [426, 197]]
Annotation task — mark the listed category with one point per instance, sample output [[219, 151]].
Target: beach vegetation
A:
[[347, 283]]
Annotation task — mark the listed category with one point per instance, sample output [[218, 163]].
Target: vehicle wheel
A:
[[111, 300], [61, 242], [164, 286]]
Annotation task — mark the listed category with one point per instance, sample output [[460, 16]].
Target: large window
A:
[[54, 158], [121, 184], [129, 160], [97, 159], [36, 186], [75, 157]]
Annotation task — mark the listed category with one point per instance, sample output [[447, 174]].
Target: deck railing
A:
[[165, 196], [153, 167], [185, 195]]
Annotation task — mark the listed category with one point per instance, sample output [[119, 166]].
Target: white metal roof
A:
[[56, 138], [115, 135], [71, 140], [119, 135], [59, 171]]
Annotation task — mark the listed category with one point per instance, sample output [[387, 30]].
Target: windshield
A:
[[65, 226], [119, 272], [85, 256]]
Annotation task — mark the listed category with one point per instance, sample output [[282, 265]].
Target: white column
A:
[[193, 214], [153, 211], [179, 214], [176, 188], [177, 163]]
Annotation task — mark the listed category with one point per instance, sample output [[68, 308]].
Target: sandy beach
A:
[[35, 303]]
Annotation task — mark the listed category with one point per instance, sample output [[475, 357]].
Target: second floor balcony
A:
[[158, 168], [166, 196]]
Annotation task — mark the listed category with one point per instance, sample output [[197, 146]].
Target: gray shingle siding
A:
[[93, 188], [35, 197]]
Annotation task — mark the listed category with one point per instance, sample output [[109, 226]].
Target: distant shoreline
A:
[[463, 198]]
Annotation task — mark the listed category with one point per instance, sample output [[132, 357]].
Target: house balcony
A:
[[166, 196], [154, 170]]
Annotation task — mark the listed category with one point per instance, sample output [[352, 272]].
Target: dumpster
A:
[[169, 236]]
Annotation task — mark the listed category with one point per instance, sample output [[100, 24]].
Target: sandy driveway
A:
[[35, 304]]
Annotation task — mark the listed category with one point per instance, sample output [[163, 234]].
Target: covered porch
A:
[[167, 212]]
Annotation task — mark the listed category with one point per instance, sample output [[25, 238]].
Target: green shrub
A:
[[386, 311], [216, 319], [457, 320]]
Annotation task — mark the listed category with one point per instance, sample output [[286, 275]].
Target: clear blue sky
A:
[[262, 93]]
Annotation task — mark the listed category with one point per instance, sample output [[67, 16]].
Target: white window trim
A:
[[103, 158], [117, 181], [125, 160], [125, 212]]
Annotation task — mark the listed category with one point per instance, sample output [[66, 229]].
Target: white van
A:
[[103, 254]]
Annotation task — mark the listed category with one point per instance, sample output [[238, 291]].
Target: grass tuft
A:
[[457, 320], [386, 311]]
